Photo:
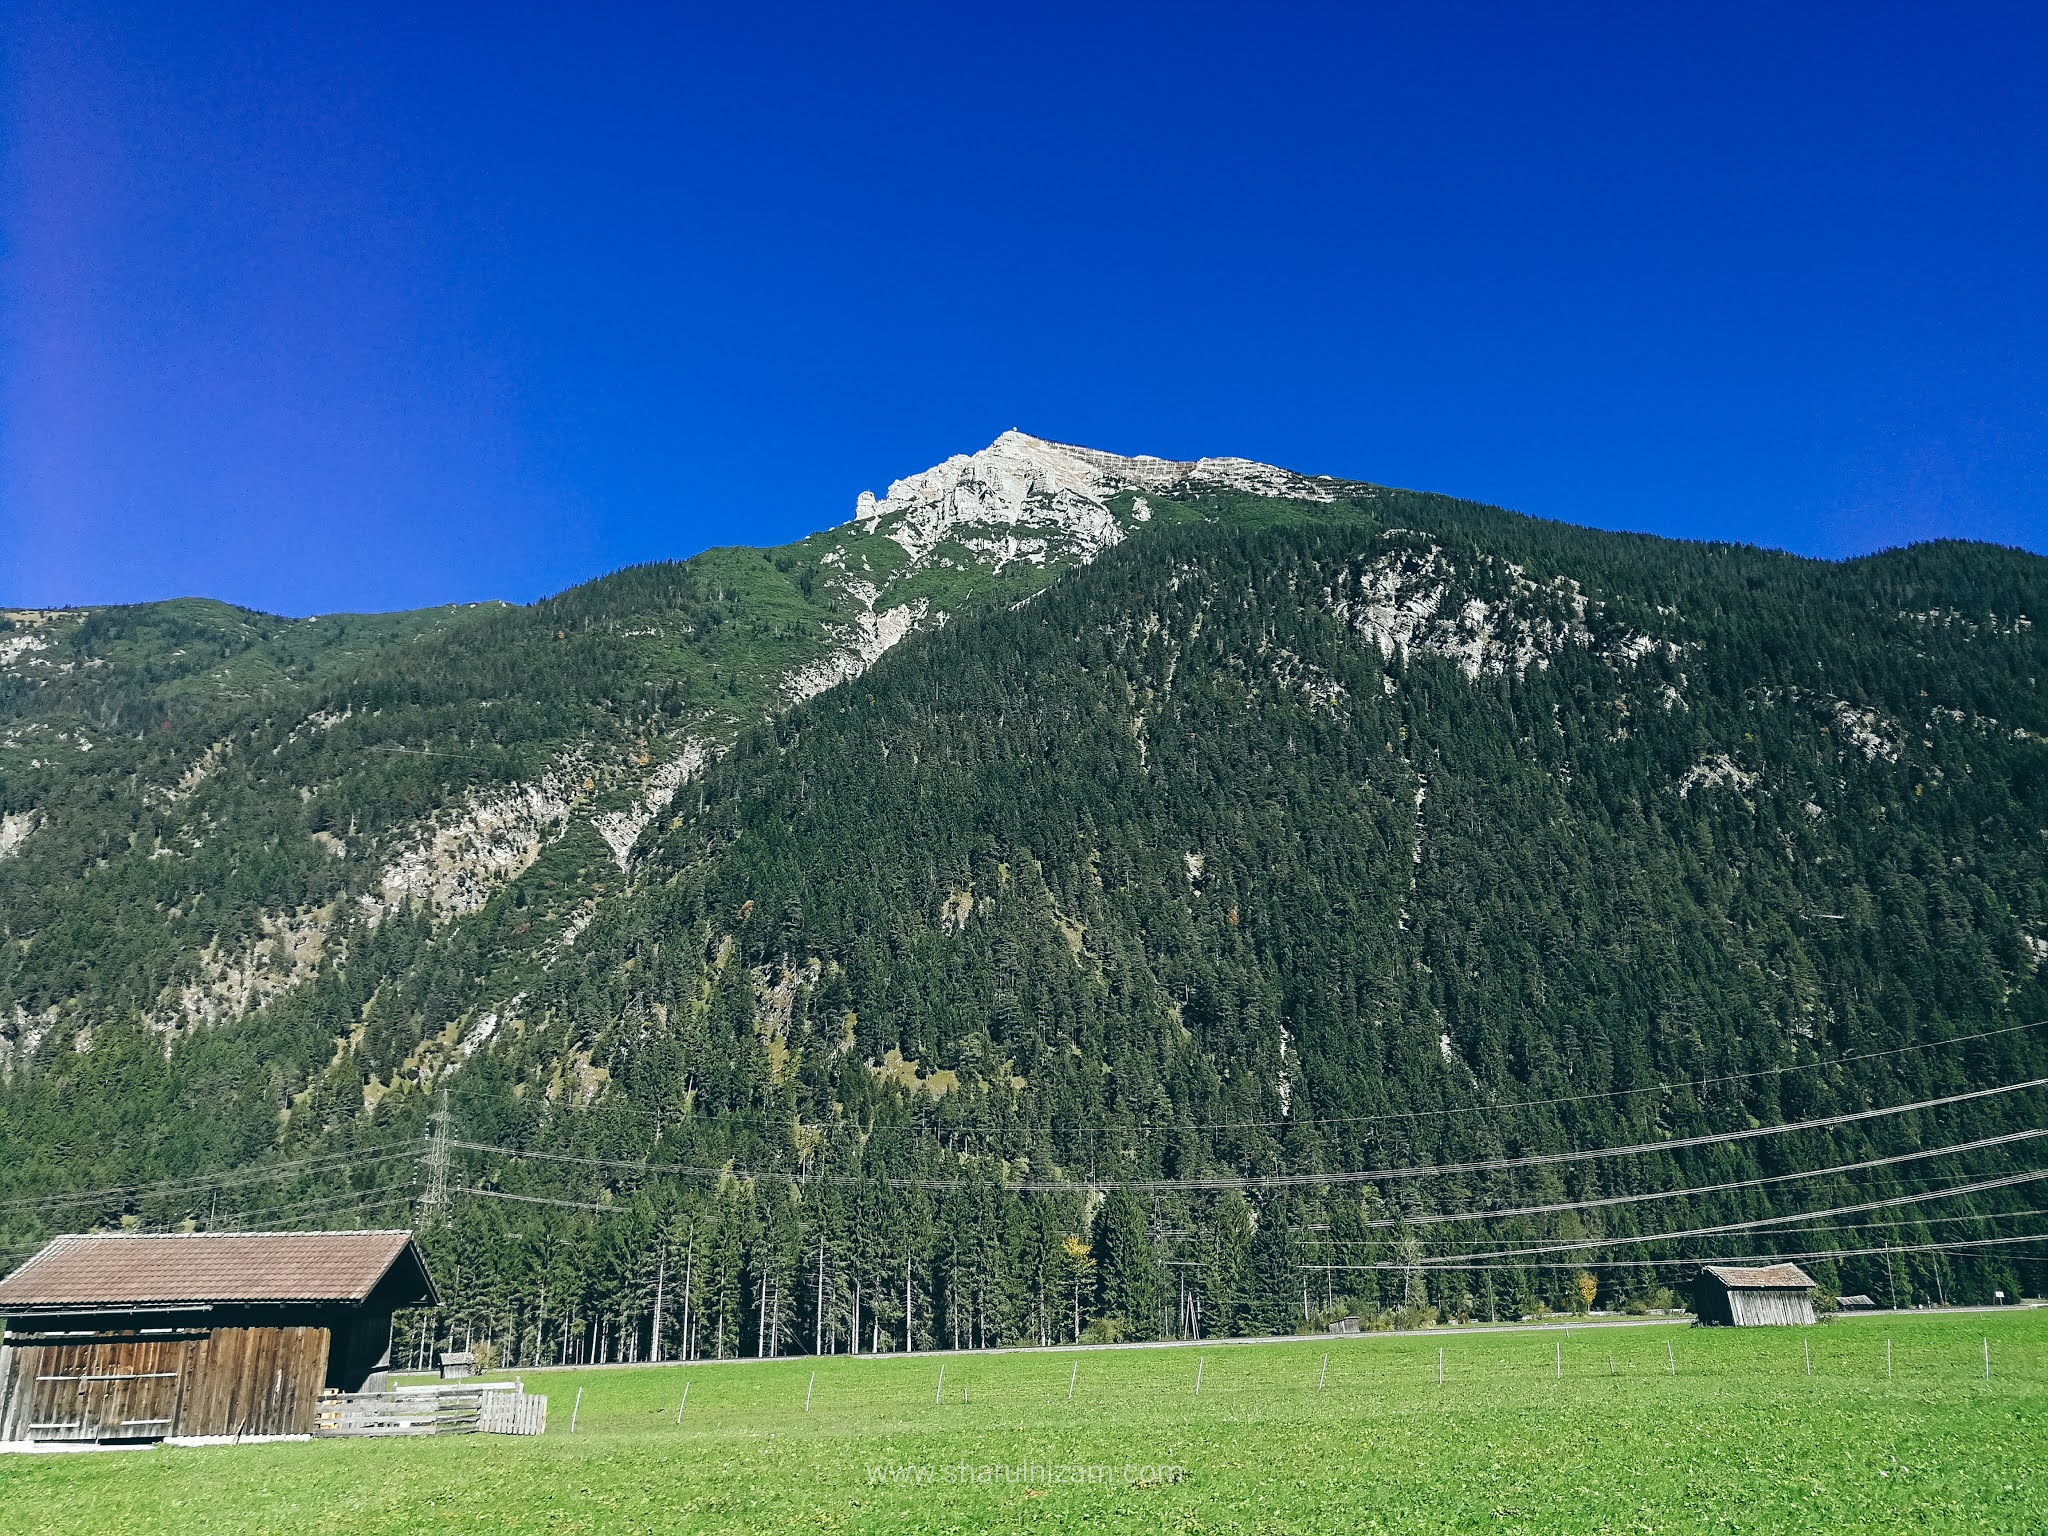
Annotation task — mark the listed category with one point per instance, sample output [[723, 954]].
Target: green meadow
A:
[[1616, 1429]]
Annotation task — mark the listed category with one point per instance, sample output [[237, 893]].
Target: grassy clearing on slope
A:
[[1740, 1439]]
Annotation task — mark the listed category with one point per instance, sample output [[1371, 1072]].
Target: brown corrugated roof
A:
[[183, 1269], [1773, 1277]]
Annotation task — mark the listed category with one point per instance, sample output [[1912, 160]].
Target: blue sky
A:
[[362, 307]]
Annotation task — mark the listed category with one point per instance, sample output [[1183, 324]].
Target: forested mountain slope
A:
[[1207, 840], [200, 802]]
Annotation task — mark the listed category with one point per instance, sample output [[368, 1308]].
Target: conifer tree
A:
[[1128, 1283]]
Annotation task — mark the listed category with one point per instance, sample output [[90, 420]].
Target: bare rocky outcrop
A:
[[1718, 771], [20, 1033], [229, 984], [453, 868], [1021, 501], [1029, 499], [1491, 618], [621, 829], [858, 644], [15, 828]]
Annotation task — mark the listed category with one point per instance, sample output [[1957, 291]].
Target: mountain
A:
[[194, 797], [1064, 881]]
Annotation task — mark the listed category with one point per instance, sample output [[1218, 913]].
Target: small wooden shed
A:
[[1731, 1296], [117, 1337], [457, 1364]]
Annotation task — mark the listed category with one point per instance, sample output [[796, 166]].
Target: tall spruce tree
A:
[[1129, 1288]]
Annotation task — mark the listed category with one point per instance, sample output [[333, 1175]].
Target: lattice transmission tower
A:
[[435, 1199]]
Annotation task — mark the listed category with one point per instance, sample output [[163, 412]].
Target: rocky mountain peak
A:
[[1024, 497]]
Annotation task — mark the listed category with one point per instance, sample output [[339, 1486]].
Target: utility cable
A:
[[987, 1128], [1504, 1164], [1979, 1187], [1432, 1218], [1281, 1180], [227, 1179], [1740, 1258]]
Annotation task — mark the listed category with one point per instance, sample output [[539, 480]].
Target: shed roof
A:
[[1772, 1277], [95, 1271]]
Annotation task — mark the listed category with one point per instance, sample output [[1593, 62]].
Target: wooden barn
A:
[[1748, 1298], [198, 1335]]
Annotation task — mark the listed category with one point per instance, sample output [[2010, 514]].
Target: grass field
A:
[[1741, 1438]]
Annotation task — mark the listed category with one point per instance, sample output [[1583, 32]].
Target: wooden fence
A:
[[513, 1413], [493, 1408]]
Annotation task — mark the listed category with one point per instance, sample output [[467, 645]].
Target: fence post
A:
[[1669, 1358], [1439, 1365], [1073, 1376], [1559, 1347], [1887, 1359], [940, 1390], [1987, 1359], [1198, 1375], [1326, 1374], [576, 1409], [808, 1390], [684, 1403], [1809, 1355]]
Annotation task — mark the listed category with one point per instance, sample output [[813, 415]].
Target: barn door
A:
[[114, 1389]]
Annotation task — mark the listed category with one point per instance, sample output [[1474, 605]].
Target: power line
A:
[[1743, 1226], [197, 1183], [1693, 1086], [1432, 1218], [234, 1178], [1736, 1258], [1278, 1180], [1505, 1164], [237, 1177], [1922, 1221], [988, 1128], [1832, 1229], [1506, 1213], [362, 1200], [223, 1179], [506, 1194]]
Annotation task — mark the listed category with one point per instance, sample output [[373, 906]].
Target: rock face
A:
[[1025, 499], [621, 829], [14, 830], [1490, 618], [1022, 506], [455, 865], [859, 644]]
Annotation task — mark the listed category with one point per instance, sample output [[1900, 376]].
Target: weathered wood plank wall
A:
[[254, 1381], [1764, 1308], [222, 1381], [125, 1389], [13, 1400]]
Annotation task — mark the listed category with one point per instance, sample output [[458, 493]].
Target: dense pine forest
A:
[[1291, 909]]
